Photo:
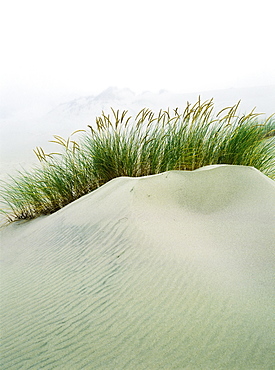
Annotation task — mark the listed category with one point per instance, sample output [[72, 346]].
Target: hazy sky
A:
[[83, 47]]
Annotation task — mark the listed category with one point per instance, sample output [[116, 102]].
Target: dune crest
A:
[[170, 271]]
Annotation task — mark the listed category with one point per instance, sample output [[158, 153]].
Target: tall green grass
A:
[[120, 145]]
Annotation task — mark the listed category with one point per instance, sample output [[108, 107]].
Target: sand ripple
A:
[[145, 274]]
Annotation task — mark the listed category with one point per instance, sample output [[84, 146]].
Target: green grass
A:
[[120, 145]]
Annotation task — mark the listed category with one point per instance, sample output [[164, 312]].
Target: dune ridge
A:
[[168, 271]]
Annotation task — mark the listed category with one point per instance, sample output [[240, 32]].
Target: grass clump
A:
[[120, 145]]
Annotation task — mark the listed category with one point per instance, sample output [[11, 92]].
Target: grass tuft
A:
[[120, 145]]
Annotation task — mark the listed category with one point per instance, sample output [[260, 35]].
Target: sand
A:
[[171, 271]]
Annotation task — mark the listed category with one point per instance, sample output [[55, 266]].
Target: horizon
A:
[[30, 105], [71, 49]]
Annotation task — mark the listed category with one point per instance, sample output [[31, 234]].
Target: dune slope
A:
[[169, 271]]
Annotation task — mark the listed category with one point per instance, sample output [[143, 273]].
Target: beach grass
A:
[[121, 145]]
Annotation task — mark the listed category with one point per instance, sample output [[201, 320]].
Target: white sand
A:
[[170, 271]]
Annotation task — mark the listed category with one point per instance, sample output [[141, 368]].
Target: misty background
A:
[[64, 61]]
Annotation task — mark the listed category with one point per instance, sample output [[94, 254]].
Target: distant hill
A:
[[82, 111]]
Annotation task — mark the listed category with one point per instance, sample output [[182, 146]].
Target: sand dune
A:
[[170, 271]]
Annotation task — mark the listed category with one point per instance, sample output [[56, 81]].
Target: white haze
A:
[[55, 50], [158, 54]]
